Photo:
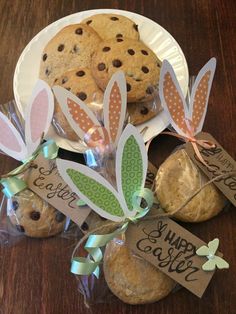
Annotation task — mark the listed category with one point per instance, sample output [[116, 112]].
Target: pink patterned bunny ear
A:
[[79, 116], [11, 142], [200, 95], [172, 99], [115, 102], [38, 115]]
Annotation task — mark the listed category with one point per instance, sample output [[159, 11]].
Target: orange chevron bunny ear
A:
[[80, 117], [200, 95], [172, 99], [115, 102]]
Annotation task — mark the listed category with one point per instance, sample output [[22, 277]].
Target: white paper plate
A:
[[151, 33]]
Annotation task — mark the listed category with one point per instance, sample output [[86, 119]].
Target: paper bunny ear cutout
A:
[[37, 121], [11, 142], [180, 116], [98, 193], [82, 119], [38, 115]]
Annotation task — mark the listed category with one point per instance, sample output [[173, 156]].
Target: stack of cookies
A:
[[83, 57]]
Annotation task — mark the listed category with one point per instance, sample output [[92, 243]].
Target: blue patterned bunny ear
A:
[[93, 189], [131, 166]]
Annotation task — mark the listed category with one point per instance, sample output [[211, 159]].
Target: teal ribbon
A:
[[13, 184], [90, 264]]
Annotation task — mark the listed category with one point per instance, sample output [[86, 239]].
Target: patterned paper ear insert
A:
[[82, 119], [115, 102], [186, 121], [200, 95], [131, 164], [93, 189], [38, 115]]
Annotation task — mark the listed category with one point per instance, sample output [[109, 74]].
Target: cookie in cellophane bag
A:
[[30, 214], [178, 178], [128, 276]]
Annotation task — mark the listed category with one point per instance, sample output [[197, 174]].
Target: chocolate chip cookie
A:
[[139, 63], [177, 179], [113, 26], [142, 112], [131, 278], [34, 217], [80, 82], [71, 47]]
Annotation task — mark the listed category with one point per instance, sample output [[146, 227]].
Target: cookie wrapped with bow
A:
[[179, 177], [124, 202], [30, 214]]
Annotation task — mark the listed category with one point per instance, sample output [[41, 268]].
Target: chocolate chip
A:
[[75, 49], [85, 226], [114, 18], [135, 26], [80, 73], [158, 65], [144, 52], [101, 66], [55, 80], [144, 110], [68, 88], [128, 86], [150, 90], [131, 52], [89, 22], [145, 69], [45, 57], [35, 215], [138, 80], [81, 95], [15, 205], [105, 49], [20, 228], [119, 40], [117, 63], [79, 31], [64, 80], [60, 47], [60, 217], [119, 35], [47, 72]]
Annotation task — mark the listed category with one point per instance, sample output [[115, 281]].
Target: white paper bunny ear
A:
[[115, 102], [172, 99], [77, 113], [131, 166], [200, 95], [93, 189], [11, 142], [38, 115]]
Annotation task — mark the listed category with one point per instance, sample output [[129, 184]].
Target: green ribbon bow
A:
[[90, 264], [13, 184]]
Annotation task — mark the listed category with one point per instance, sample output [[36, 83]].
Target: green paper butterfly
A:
[[98, 193], [213, 260]]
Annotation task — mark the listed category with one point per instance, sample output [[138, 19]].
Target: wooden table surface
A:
[[34, 274]]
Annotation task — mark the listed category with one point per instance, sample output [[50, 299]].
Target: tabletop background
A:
[[34, 274]]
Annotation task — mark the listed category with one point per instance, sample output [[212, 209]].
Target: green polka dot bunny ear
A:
[[84, 122], [187, 121], [98, 193]]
